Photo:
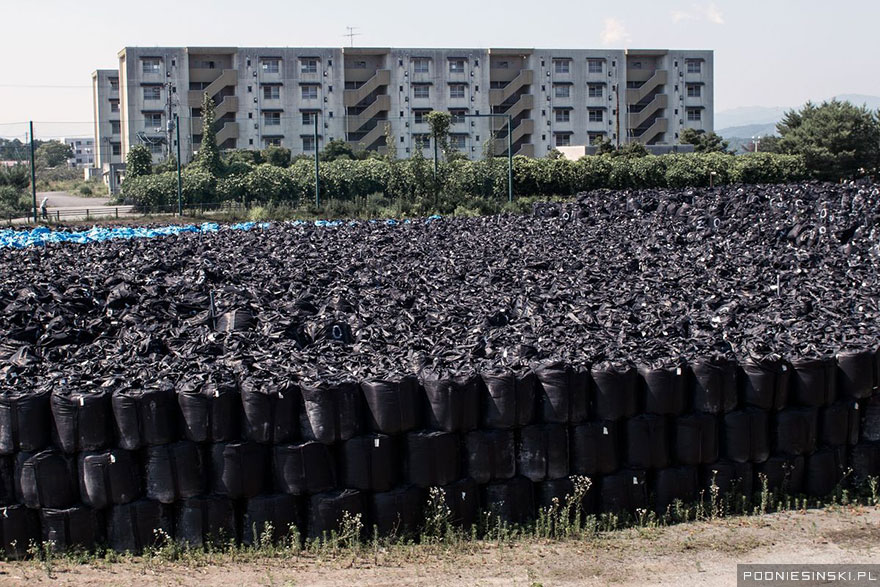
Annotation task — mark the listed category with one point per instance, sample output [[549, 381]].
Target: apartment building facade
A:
[[83, 151], [377, 97]]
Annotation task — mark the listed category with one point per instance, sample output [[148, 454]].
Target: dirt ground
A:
[[699, 553]]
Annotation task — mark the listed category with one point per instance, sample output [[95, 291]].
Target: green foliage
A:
[[603, 145], [439, 122], [53, 154], [702, 141], [277, 156], [836, 139], [768, 168], [138, 162], [168, 164], [337, 149], [208, 157], [633, 149], [13, 202], [17, 176]]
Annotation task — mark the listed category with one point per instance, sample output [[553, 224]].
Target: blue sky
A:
[[767, 53]]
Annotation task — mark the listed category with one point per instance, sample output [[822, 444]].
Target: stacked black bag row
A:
[[222, 461]]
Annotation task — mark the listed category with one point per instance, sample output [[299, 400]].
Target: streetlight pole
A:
[[179, 180], [317, 166], [33, 172], [509, 119], [757, 142]]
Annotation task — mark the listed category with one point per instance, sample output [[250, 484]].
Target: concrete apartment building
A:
[[109, 159], [83, 149], [270, 96]]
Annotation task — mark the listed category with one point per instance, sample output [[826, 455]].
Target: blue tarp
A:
[[42, 235]]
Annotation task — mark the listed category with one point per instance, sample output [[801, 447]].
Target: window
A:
[[421, 91], [636, 64], [114, 105], [594, 136], [114, 84], [308, 118], [270, 65], [308, 143], [595, 90], [115, 149], [271, 92], [456, 91], [562, 90], [595, 65], [153, 120], [562, 66], [152, 92], [271, 141], [308, 65], [456, 66], [458, 141], [563, 140], [694, 66], [562, 114], [150, 66], [457, 115], [156, 148], [420, 65], [595, 115], [422, 140], [694, 90], [114, 127], [419, 116], [79, 152], [694, 114], [502, 64], [309, 92], [272, 118]]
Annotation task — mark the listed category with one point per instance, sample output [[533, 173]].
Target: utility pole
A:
[[168, 123], [179, 181], [317, 165], [33, 172]]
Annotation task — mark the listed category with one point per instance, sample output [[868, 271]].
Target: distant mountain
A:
[[749, 121]]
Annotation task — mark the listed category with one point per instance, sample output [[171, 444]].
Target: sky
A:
[[767, 52]]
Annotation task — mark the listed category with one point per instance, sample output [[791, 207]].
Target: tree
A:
[[440, 123], [765, 144], [209, 154], [277, 156], [53, 154], [337, 149], [836, 139], [138, 162], [631, 149], [603, 145], [703, 142]]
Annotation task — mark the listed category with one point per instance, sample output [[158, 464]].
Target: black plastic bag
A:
[[269, 411], [303, 468], [432, 458], [624, 491], [615, 395], [764, 384], [824, 470], [82, 421], [274, 516], [696, 439], [796, 431], [511, 501], [745, 436], [814, 382], [328, 413], [462, 500], [141, 524], [205, 520], [328, 511], [728, 478], [210, 412], [674, 483], [864, 458], [714, 386], [370, 462], [508, 399], [451, 403], [490, 455], [46, 479], [75, 527], [595, 448], [238, 469], [7, 480], [857, 373], [542, 452], [145, 417], [19, 529], [25, 421], [399, 512], [664, 390], [108, 478], [647, 442], [784, 473], [564, 392], [174, 471], [393, 406]]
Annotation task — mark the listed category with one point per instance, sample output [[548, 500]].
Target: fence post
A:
[[87, 213], [117, 212]]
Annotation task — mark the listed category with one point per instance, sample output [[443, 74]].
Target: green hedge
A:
[[460, 181]]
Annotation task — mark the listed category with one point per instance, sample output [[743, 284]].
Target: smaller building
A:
[[83, 150]]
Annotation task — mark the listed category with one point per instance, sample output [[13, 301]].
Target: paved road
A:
[[67, 200]]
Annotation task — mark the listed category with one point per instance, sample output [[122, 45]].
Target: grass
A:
[[353, 544]]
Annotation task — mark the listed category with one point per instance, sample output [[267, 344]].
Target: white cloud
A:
[[614, 33], [699, 12]]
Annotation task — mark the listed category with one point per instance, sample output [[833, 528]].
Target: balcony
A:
[[660, 125], [498, 96], [228, 77], [354, 97]]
